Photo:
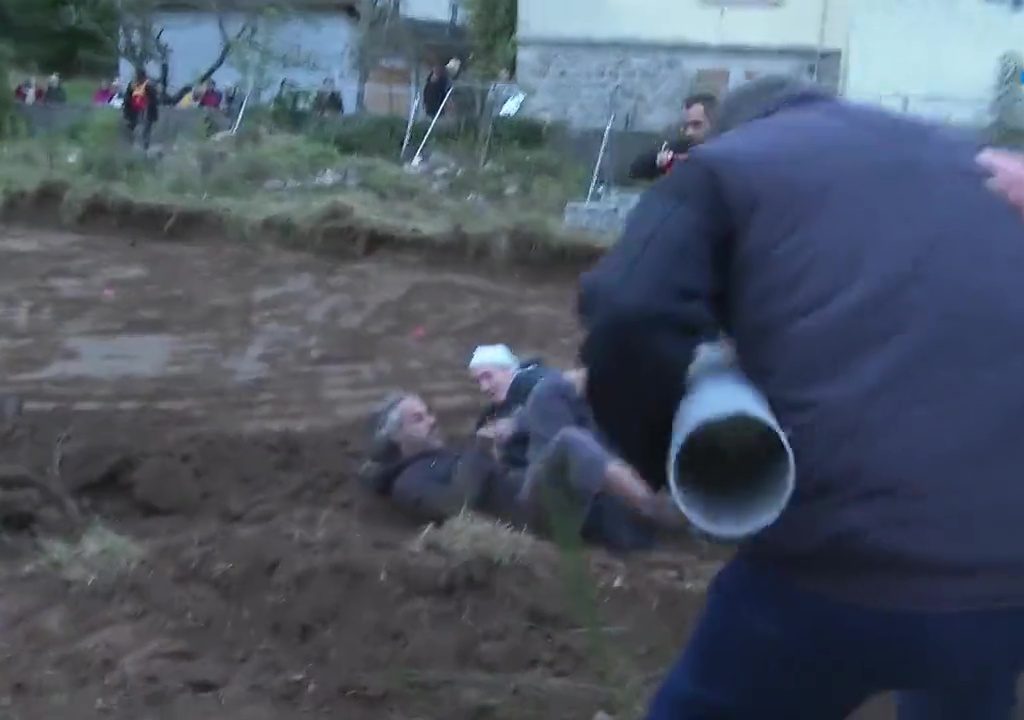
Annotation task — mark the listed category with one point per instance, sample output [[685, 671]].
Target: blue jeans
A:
[[767, 650]]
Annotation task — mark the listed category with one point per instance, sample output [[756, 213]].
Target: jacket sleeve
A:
[[645, 167], [646, 306]]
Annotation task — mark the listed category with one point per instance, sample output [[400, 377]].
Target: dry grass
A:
[[99, 554], [469, 536]]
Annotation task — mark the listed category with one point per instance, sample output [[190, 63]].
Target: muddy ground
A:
[[211, 398]]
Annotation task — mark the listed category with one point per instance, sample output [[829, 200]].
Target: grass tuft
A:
[[469, 536], [99, 554]]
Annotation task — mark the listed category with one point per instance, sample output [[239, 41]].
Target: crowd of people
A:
[[33, 92]]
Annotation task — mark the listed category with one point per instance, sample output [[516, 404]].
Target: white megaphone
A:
[[730, 466]]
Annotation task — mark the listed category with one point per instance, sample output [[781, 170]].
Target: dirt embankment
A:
[[228, 566], [333, 229]]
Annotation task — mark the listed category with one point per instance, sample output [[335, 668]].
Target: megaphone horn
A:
[[731, 469]]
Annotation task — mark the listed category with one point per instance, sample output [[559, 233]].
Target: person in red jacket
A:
[[141, 106]]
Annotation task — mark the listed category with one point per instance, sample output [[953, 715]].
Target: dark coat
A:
[[645, 166], [872, 285]]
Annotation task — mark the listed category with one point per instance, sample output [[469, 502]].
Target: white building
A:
[[580, 60], [313, 40], [936, 58]]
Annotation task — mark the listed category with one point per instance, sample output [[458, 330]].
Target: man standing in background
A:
[[141, 107], [697, 122]]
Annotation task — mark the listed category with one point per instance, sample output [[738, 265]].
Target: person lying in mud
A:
[[574, 478], [412, 466], [507, 382]]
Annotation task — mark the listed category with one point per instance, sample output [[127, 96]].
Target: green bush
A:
[[8, 118], [105, 154], [378, 136], [522, 133], [235, 168]]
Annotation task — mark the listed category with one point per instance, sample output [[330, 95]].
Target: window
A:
[[711, 80]]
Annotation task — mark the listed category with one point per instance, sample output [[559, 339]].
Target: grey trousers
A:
[[569, 472]]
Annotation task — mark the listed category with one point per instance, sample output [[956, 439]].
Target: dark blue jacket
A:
[[875, 291]]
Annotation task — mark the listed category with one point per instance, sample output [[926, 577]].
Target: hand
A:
[[499, 430], [665, 158], [1007, 174]]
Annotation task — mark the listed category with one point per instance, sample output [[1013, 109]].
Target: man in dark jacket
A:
[[507, 382], [411, 465], [700, 112], [141, 106], [656, 163], [435, 90], [871, 284]]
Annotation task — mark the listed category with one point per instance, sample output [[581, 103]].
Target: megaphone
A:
[[731, 469]]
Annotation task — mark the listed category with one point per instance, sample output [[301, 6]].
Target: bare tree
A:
[[132, 29]]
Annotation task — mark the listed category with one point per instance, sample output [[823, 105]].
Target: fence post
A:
[[415, 106], [600, 157]]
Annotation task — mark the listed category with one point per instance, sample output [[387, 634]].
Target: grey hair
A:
[[384, 424], [762, 97]]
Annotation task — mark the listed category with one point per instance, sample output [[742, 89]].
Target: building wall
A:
[[758, 23], [581, 60], [644, 85], [311, 47], [936, 58], [436, 10]]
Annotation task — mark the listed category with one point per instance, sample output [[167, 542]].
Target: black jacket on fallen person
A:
[[514, 450], [435, 485], [421, 485], [645, 167], [872, 285]]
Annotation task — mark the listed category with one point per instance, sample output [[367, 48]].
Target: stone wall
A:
[[645, 85], [604, 217]]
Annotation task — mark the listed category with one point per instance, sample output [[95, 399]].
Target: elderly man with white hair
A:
[[507, 382]]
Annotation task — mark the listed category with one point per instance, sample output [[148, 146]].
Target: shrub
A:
[[8, 118], [104, 152], [236, 167], [379, 136], [523, 133]]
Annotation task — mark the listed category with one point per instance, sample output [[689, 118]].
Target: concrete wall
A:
[[644, 84], [935, 58], [758, 23], [307, 49]]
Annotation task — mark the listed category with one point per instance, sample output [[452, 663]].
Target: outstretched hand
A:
[[1006, 170]]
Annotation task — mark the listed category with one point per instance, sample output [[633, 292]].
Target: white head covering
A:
[[494, 356]]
